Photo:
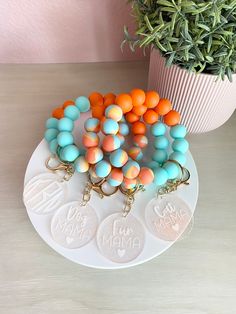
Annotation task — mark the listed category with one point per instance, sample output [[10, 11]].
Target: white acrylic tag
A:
[[73, 225], [44, 193], [120, 239]]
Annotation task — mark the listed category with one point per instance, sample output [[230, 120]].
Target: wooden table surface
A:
[[196, 276]]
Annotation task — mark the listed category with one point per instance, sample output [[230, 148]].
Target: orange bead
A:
[[98, 111], [102, 119], [146, 176], [108, 95], [129, 183], [68, 103], [109, 99], [152, 99], [172, 118], [138, 127], [125, 102], [139, 110], [96, 99], [163, 107], [150, 116], [131, 117], [58, 113], [138, 97]]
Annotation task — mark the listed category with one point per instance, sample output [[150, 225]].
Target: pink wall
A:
[[55, 31]]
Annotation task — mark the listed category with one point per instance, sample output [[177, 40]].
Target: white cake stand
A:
[[89, 254]]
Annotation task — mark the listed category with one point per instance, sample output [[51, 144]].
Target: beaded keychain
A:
[[108, 164], [167, 173], [59, 130], [67, 152], [131, 176], [68, 156], [50, 189]]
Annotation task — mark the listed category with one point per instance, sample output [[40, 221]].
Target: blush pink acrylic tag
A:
[[167, 217], [120, 239]]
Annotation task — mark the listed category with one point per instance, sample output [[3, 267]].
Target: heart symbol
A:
[[175, 227], [69, 240], [120, 252]]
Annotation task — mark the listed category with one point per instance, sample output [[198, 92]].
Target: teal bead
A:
[[51, 123], [172, 169], [152, 164], [178, 131], [102, 168], [72, 112], [110, 126], [161, 142], [65, 138], [180, 145], [160, 155], [53, 146], [82, 103], [65, 124], [69, 153], [158, 129], [160, 176], [123, 129], [179, 157], [50, 134]]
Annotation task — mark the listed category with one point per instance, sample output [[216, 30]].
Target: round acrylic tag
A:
[[73, 225], [167, 217], [44, 193], [120, 239]]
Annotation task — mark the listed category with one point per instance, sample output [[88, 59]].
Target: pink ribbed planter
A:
[[204, 104]]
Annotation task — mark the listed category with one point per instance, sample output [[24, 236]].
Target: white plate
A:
[[89, 254]]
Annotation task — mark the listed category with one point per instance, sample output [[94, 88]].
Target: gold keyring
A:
[[179, 165], [95, 184], [105, 193], [61, 166], [172, 185], [183, 170], [98, 187], [188, 176]]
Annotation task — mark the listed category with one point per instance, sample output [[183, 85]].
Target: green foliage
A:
[[197, 35]]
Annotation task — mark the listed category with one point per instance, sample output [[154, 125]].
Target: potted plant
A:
[[193, 56]]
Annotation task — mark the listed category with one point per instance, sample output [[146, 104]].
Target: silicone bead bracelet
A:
[[119, 168], [135, 105], [149, 107], [124, 171], [164, 167], [59, 135]]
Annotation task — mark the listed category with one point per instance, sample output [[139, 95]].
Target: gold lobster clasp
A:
[[59, 165], [130, 193], [172, 185], [96, 186], [99, 187]]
